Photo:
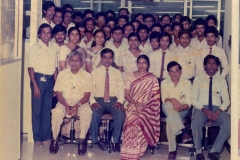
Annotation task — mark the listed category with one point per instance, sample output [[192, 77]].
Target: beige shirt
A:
[[196, 44], [190, 61], [116, 50], [73, 86], [43, 58], [116, 84], [220, 53], [182, 92], [200, 92], [128, 61], [156, 62], [51, 23], [147, 48]]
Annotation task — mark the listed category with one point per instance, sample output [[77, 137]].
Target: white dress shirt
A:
[[200, 92], [156, 62], [220, 53], [147, 48]]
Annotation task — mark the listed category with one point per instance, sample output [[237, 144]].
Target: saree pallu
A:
[[142, 125]]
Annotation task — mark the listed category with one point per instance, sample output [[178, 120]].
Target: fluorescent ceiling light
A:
[[171, 1], [82, 8]]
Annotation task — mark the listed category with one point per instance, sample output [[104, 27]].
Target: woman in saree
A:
[[64, 50], [142, 123], [93, 59]]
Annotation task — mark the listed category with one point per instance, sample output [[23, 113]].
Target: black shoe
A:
[[116, 147], [102, 145], [200, 156], [214, 156], [172, 155], [82, 147], [53, 148]]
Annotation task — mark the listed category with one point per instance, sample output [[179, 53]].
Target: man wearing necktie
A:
[[211, 35], [211, 100], [107, 96]]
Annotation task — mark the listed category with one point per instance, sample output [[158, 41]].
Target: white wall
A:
[[10, 100]]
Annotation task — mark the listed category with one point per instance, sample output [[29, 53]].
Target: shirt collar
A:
[[40, 42], [169, 81], [180, 47]]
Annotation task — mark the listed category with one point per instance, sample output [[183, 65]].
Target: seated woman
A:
[[93, 59], [127, 59], [64, 50], [142, 123]]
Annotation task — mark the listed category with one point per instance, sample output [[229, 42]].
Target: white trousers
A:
[[174, 124], [59, 112]]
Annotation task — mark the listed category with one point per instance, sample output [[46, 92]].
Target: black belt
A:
[[45, 75]]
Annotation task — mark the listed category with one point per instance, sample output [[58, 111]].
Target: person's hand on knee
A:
[[95, 106]]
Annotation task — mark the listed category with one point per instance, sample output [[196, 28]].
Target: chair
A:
[[71, 135], [207, 125], [107, 117]]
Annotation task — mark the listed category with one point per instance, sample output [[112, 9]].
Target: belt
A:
[[45, 75]]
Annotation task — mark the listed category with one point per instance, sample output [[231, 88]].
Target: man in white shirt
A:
[[127, 29], [107, 96], [48, 13], [73, 88], [161, 57], [176, 98], [211, 99], [87, 40], [176, 27], [117, 44], [59, 34], [199, 42], [188, 57], [211, 35], [145, 45]]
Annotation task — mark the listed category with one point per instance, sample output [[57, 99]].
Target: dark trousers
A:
[[41, 108], [118, 115]]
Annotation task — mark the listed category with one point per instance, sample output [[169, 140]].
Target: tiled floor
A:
[[69, 152]]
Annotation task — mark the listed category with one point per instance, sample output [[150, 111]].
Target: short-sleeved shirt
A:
[[45, 21], [182, 92], [73, 86], [147, 48], [43, 58]]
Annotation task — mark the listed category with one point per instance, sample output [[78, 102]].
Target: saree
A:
[[142, 125]]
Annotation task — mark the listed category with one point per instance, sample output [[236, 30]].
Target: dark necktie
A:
[[162, 65], [210, 94], [210, 52], [106, 89]]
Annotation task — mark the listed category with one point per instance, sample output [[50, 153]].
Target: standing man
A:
[[73, 87], [199, 42], [176, 98], [42, 70], [58, 17], [161, 57], [107, 95], [59, 33], [143, 33], [211, 35], [176, 27], [165, 19], [89, 24], [188, 57], [186, 22], [211, 99], [117, 44], [48, 9]]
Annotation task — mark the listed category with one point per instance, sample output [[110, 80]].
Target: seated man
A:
[[73, 87], [211, 99], [107, 95], [176, 92]]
